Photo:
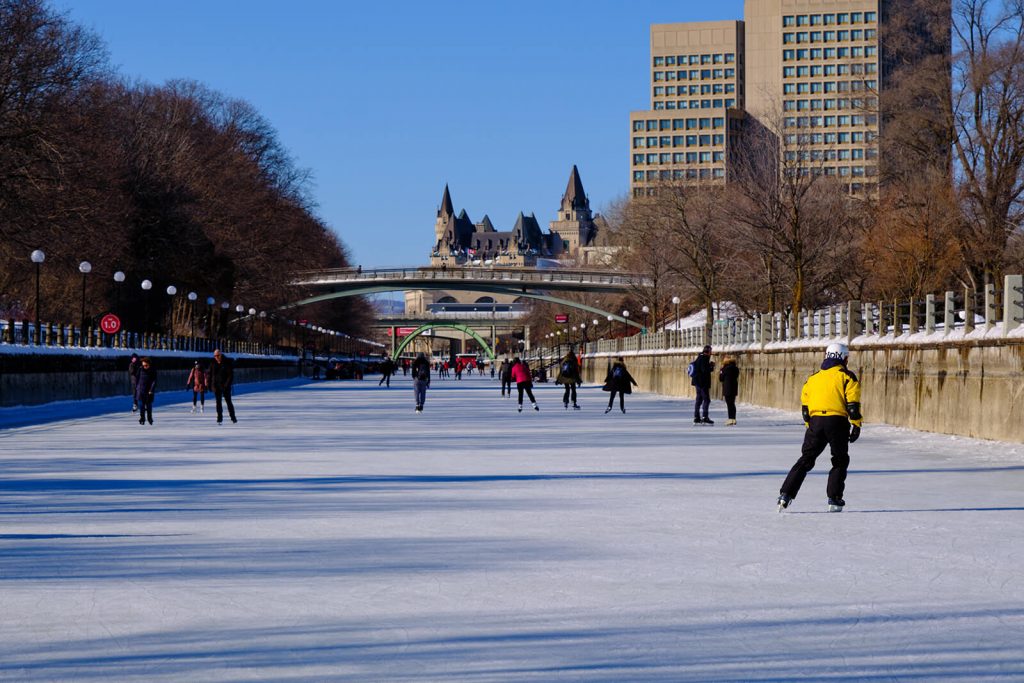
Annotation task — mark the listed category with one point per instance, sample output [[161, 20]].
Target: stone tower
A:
[[574, 225]]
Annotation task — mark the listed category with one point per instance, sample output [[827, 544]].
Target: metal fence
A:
[[935, 318]]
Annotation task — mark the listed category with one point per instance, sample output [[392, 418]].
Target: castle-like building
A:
[[573, 238], [458, 241]]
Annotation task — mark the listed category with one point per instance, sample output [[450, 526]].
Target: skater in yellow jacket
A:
[[830, 402]]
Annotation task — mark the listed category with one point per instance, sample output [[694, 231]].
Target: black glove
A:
[[854, 433]]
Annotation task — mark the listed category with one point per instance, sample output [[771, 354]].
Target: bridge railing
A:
[[499, 274]]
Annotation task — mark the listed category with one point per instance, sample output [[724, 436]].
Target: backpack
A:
[[566, 367], [423, 373], [691, 368], [617, 372]]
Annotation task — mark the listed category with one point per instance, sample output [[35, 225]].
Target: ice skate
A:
[[697, 421], [707, 421], [520, 409], [193, 410], [835, 505], [536, 407], [566, 405], [730, 423], [784, 502], [576, 407], [623, 410], [607, 410], [202, 409]]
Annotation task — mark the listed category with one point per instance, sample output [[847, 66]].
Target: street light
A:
[[252, 321], [646, 310], [37, 258], [146, 286], [118, 279], [192, 296], [625, 323], [84, 268], [609, 325], [675, 300]]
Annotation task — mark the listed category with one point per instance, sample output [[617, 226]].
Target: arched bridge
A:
[[525, 282]]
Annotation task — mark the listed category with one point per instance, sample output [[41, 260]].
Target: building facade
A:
[[809, 71]]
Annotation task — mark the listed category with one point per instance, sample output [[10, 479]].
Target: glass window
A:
[[705, 157], [802, 54], [670, 90], [789, 21], [730, 73], [691, 157], [677, 158], [694, 59], [870, 34], [829, 19], [843, 18], [816, 53], [788, 88], [843, 35], [705, 59], [802, 37], [718, 139], [857, 35], [659, 75], [815, 36], [870, 17], [802, 71], [677, 124], [638, 176], [856, 18], [830, 36], [718, 59], [670, 105], [638, 159], [659, 91], [652, 125], [652, 158], [788, 55], [665, 140], [801, 20], [718, 157], [870, 51], [730, 103], [664, 124], [730, 58], [652, 141], [694, 75], [677, 141], [664, 158], [638, 143], [691, 140], [670, 61], [659, 61], [718, 73]]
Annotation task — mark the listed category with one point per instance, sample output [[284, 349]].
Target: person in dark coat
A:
[[729, 376], [569, 375], [133, 378], [420, 380], [618, 381], [145, 388], [700, 378], [386, 369], [222, 378], [506, 378]]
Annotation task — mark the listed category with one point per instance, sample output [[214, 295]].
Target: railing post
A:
[[912, 318], [855, 319], [969, 304], [897, 319], [990, 306], [929, 314], [1013, 305], [949, 313]]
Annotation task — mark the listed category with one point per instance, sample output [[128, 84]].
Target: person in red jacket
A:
[[524, 382]]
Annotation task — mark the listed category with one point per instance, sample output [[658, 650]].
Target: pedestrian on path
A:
[[222, 379], [729, 377], [524, 382], [197, 382], [700, 377], [145, 390], [569, 376], [420, 380], [618, 381], [830, 403]]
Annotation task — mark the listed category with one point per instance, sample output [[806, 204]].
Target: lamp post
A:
[[37, 258], [192, 296], [84, 268], [675, 301], [118, 279], [146, 286], [610, 318], [239, 309], [646, 310], [171, 291], [625, 324], [252, 321]]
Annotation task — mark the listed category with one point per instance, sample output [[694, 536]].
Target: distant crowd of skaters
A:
[[830, 399]]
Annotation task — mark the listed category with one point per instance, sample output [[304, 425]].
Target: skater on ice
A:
[[197, 383], [420, 380], [700, 377], [830, 402], [145, 389], [729, 377], [523, 378], [222, 377], [569, 375], [618, 381]]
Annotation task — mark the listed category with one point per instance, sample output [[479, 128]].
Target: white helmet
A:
[[837, 352]]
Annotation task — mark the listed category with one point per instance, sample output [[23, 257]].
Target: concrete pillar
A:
[[868, 317], [526, 337], [1013, 302], [948, 313], [855, 319], [763, 329], [929, 314], [897, 319]]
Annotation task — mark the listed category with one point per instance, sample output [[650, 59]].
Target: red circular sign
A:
[[110, 323]]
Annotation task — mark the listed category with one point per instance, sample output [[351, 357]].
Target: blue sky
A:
[[386, 102]]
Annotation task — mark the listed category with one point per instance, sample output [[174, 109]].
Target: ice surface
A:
[[332, 534]]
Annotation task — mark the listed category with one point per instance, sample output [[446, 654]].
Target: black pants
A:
[[829, 430], [528, 388], [146, 409], [200, 396], [700, 406], [385, 378], [224, 394], [730, 406], [570, 388], [622, 399], [506, 386]]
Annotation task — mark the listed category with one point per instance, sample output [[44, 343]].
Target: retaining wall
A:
[[969, 388], [31, 379]]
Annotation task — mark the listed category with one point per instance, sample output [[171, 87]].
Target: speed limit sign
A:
[[110, 323]]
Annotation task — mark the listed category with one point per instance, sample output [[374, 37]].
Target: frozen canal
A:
[[332, 534]]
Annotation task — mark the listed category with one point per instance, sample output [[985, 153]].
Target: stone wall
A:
[[30, 379], [969, 388]]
